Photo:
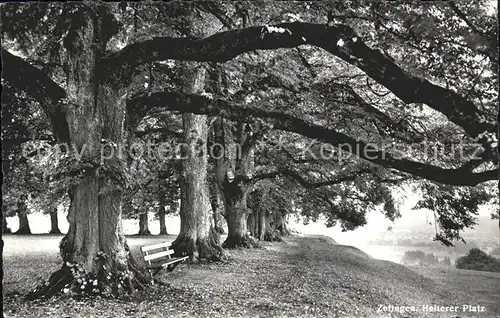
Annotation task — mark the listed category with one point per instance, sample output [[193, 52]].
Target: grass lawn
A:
[[305, 276]]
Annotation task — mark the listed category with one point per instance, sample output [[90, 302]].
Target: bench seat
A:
[[158, 256], [169, 262]]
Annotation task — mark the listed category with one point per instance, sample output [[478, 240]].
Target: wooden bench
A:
[[161, 258]]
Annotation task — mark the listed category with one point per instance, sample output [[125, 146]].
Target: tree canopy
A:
[[333, 106]]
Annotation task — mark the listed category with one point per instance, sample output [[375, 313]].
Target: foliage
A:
[[478, 260], [455, 208]]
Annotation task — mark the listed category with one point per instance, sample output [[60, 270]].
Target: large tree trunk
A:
[[54, 222], [144, 224], [197, 237], [22, 214], [236, 216], [95, 243], [233, 174]]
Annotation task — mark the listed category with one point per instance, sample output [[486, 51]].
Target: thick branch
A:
[[225, 46], [35, 83], [464, 18], [189, 103], [304, 182]]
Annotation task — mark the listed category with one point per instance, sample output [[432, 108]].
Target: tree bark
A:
[[163, 224], [22, 214], [144, 224], [54, 222], [161, 207], [95, 243], [197, 237], [237, 214], [232, 171], [253, 227], [281, 223], [217, 207], [263, 228]]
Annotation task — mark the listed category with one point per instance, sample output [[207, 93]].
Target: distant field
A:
[[396, 252], [308, 276]]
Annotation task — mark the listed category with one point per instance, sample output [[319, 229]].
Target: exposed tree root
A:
[[23, 231], [272, 236], [54, 285], [245, 241], [163, 231], [71, 279], [144, 233], [208, 248]]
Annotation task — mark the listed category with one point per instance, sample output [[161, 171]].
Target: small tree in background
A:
[[446, 261]]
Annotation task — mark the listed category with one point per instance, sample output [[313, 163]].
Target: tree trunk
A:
[[22, 214], [228, 172], [95, 243], [272, 232], [236, 215], [237, 228], [144, 224], [163, 224], [197, 237], [161, 210], [5, 227], [217, 207], [54, 222], [262, 224], [283, 225], [257, 223], [252, 225]]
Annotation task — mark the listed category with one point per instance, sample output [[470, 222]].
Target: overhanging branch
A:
[[38, 85], [190, 103], [226, 45]]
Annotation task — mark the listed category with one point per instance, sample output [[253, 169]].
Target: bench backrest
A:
[[162, 250]]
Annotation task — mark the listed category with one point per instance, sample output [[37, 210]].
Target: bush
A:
[[420, 258], [478, 260], [495, 251]]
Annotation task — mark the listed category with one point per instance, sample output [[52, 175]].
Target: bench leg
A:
[[171, 267], [154, 271]]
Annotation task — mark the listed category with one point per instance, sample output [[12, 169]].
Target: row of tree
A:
[[308, 126], [422, 258], [143, 224]]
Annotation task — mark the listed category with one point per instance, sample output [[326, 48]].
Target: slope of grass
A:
[[301, 277]]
